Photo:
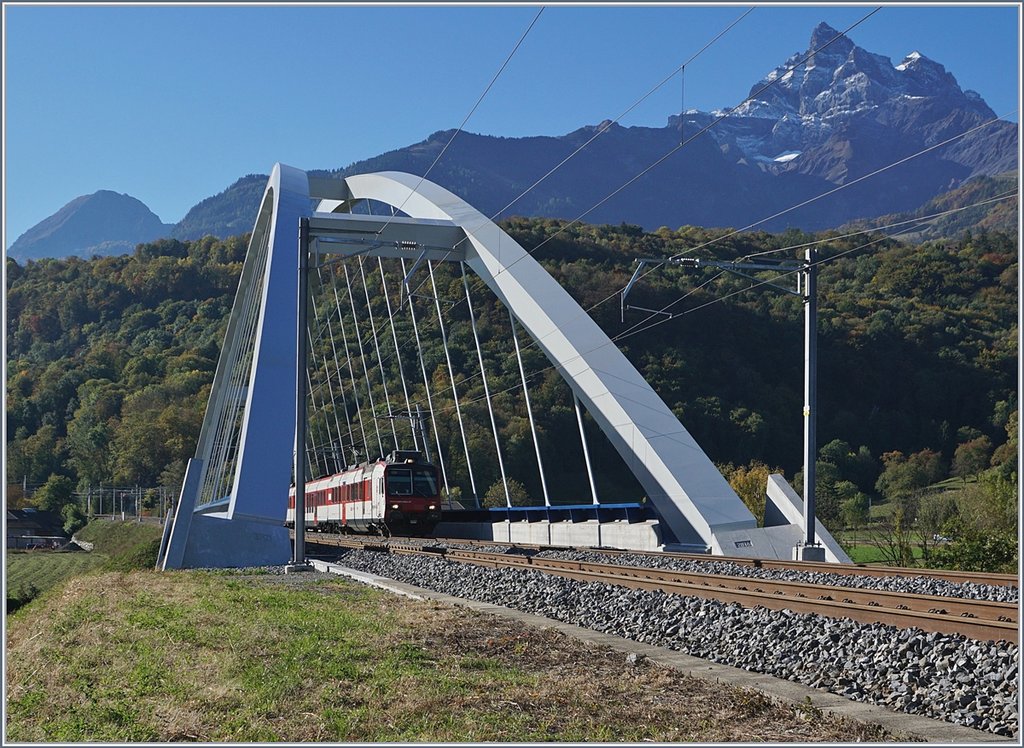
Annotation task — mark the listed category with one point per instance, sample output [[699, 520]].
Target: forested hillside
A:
[[111, 359]]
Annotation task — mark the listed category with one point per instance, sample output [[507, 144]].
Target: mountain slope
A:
[[228, 213], [103, 223]]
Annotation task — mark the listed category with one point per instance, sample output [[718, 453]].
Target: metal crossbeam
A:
[[395, 237]]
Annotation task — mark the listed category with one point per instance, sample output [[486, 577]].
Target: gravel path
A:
[[944, 676]]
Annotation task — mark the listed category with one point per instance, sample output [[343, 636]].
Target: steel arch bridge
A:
[[232, 505]]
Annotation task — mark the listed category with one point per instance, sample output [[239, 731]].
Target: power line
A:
[[830, 192], [604, 127], [466, 119], [675, 149], [599, 132], [700, 132], [630, 332], [643, 322], [851, 183], [633, 331]]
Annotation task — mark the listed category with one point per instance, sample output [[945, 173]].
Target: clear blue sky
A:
[[172, 104]]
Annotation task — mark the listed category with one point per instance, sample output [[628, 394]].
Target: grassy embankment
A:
[[117, 546], [147, 656]]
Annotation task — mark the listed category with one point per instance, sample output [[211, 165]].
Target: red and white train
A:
[[395, 494]]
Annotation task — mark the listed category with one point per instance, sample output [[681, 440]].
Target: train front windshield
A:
[[412, 482]]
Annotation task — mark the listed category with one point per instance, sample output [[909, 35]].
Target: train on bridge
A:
[[396, 494]]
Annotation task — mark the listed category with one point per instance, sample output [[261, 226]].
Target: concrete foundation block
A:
[[217, 542]]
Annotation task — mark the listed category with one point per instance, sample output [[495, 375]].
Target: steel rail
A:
[[976, 619], [974, 622], [975, 577]]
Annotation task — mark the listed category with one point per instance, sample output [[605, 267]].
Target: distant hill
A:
[[809, 126], [998, 215], [228, 213], [103, 223]]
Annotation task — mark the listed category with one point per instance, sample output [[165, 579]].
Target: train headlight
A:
[[394, 506], [432, 507]]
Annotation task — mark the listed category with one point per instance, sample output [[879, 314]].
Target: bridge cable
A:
[[362, 358], [426, 389], [794, 207], [333, 444], [341, 385], [339, 462], [398, 355], [376, 347], [451, 378], [316, 450], [529, 409], [226, 439], [227, 427], [351, 371], [586, 450], [483, 376], [921, 220]]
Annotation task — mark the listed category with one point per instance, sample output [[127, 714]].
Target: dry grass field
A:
[[204, 656]]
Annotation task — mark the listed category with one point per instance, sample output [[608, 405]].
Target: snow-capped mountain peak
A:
[[834, 82]]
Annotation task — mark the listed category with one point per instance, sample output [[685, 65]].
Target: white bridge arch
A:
[[232, 505]]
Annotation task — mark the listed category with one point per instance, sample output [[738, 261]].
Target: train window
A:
[[399, 482], [425, 482]]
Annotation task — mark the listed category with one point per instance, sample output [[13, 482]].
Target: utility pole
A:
[[811, 550], [299, 562], [807, 286]]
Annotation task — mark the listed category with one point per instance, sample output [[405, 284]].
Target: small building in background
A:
[[34, 528]]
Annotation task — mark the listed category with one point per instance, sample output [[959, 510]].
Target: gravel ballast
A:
[[943, 676]]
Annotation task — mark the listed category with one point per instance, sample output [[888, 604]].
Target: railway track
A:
[[976, 619], [975, 577]]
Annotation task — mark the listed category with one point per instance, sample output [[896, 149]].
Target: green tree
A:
[[73, 517], [903, 476], [827, 500], [855, 508], [495, 496], [894, 537], [972, 457], [750, 483], [55, 494], [1005, 455], [935, 512], [993, 552], [988, 506]]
